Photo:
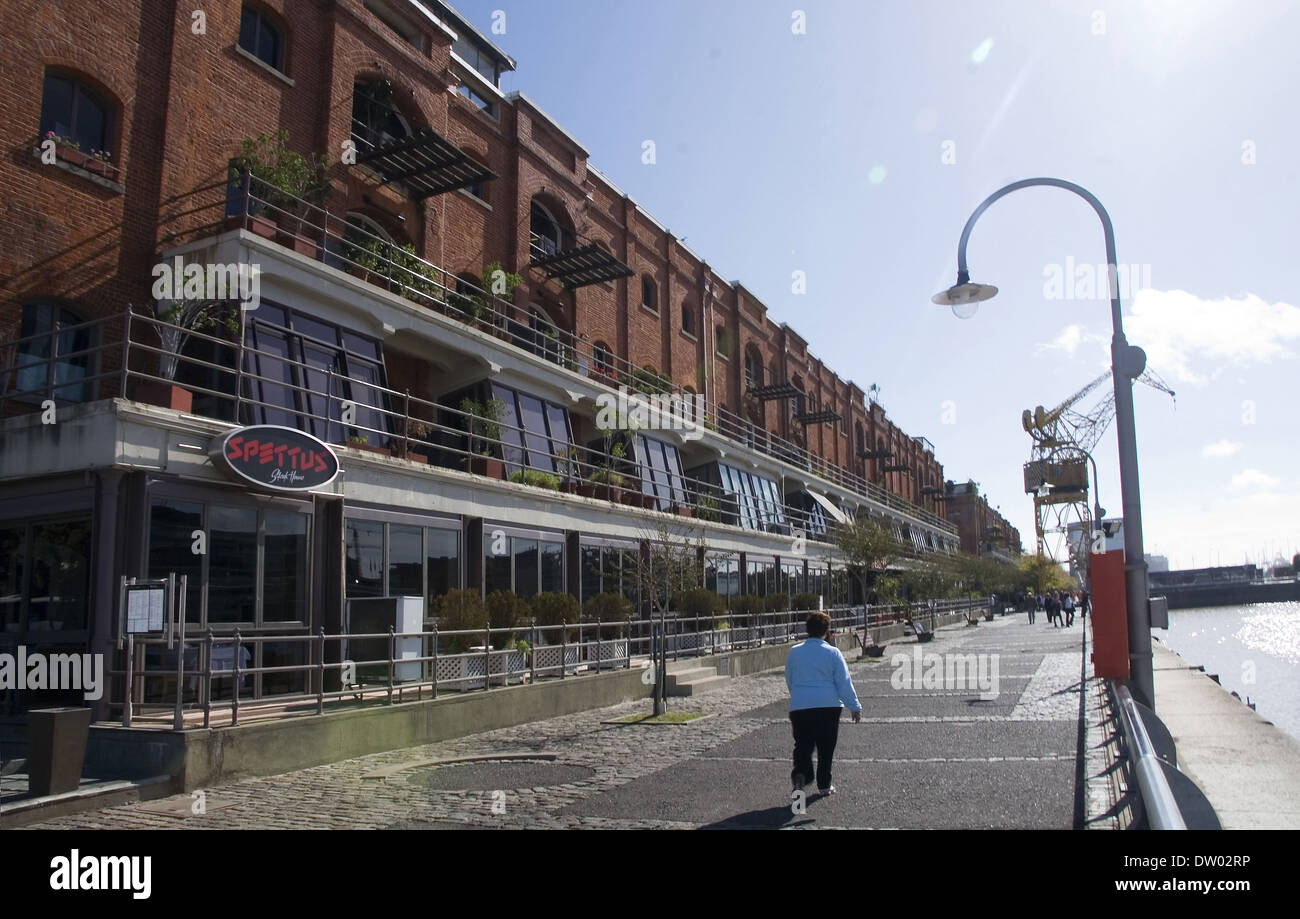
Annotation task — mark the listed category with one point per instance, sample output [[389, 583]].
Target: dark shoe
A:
[[798, 781], [826, 791]]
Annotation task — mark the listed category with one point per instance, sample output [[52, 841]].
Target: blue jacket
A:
[[818, 677]]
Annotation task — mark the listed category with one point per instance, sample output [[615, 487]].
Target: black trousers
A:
[[815, 728]]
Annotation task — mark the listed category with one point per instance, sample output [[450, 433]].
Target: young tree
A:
[[866, 549], [1042, 574]]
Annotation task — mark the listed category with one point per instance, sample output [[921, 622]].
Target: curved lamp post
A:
[[1127, 362]]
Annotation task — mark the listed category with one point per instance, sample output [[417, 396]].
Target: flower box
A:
[[604, 653], [547, 658], [370, 448], [71, 155], [487, 466], [165, 395]]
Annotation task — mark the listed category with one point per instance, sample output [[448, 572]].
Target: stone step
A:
[[700, 680], [687, 674]]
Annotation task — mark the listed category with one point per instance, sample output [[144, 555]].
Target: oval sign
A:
[[276, 457]]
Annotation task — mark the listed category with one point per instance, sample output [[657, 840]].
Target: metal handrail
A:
[[1158, 801], [704, 634]]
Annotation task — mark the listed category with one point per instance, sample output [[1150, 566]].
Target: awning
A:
[[829, 507], [426, 163], [772, 391], [579, 267], [824, 416]]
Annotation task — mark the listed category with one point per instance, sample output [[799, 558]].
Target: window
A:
[[609, 568], [524, 565], [753, 367], [545, 232], [476, 57], [76, 114], [299, 370], [375, 119], [660, 472], [721, 341], [53, 359], [486, 105], [688, 317], [384, 11], [385, 558], [257, 568], [534, 432], [722, 576], [603, 357], [259, 36], [649, 297], [45, 576]]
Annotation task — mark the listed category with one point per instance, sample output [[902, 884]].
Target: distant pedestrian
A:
[[1068, 605], [1054, 610], [1032, 606], [820, 686], [1083, 603]]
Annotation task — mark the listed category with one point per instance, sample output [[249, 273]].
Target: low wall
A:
[[204, 758]]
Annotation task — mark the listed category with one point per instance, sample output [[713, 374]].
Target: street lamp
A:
[[1127, 362]]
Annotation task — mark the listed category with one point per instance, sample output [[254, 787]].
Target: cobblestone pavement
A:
[[923, 757]]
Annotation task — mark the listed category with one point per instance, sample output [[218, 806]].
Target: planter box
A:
[[460, 672], [164, 395], [413, 456], [486, 465], [546, 658], [682, 510], [71, 155], [98, 167], [371, 448], [262, 226], [613, 651]]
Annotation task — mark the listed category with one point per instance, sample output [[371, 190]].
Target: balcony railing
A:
[[327, 236]]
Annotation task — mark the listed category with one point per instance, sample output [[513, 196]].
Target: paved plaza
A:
[[921, 758]]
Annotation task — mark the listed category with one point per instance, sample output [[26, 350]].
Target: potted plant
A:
[[183, 318], [362, 442], [536, 479], [706, 508], [287, 189], [97, 162], [67, 149], [416, 430], [566, 467], [485, 433]]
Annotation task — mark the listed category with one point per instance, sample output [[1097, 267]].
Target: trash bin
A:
[[56, 749]]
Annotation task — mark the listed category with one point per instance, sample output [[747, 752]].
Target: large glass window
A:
[[53, 360], [260, 37], [375, 120], [391, 559], [76, 114], [257, 567], [523, 565], [609, 569], [760, 576], [299, 371], [364, 564], [722, 576], [535, 432], [59, 582]]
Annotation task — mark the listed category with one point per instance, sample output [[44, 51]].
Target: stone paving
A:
[[923, 757]]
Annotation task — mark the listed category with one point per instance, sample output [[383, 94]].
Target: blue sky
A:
[[824, 153]]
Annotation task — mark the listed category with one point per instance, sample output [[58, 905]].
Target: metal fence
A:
[[206, 681]]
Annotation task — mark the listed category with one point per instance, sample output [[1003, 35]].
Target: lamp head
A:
[[964, 297]]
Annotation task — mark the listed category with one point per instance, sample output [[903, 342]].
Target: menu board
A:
[[145, 608]]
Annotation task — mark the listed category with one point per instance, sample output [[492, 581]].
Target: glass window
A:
[[547, 237], [673, 464], [497, 569], [260, 38], [552, 565], [591, 572], [405, 560], [75, 114], [58, 592], [284, 567], [533, 420], [55, 361], [171, 527], [232, 564], [375, 120], [511, 430], [364, 559], [526, 567], [13, 553], [442, 556]]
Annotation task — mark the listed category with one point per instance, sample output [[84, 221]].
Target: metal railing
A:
[[207, 681], [122, 354], [1158, 802], [332, 239]]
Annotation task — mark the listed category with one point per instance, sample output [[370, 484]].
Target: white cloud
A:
[[1221, 448], [1253, 478], [1191, 339]]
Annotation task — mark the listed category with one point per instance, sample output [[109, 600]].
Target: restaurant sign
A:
[[275, 457]]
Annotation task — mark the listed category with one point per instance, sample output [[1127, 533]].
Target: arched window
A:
[[753, 367], [52, 360], [261, 37], [688, 317], [547, 238], [649, 296], [75, 114], [375, 119], [796, 402]]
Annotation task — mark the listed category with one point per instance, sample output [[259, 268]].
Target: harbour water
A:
[[1254, 649]]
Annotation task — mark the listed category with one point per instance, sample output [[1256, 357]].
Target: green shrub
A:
[[805, 601], [536, 478], [554, 609], [698, 602], [505, 611], [611, 610], [706, 508], [776, 603], [457, 610]]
